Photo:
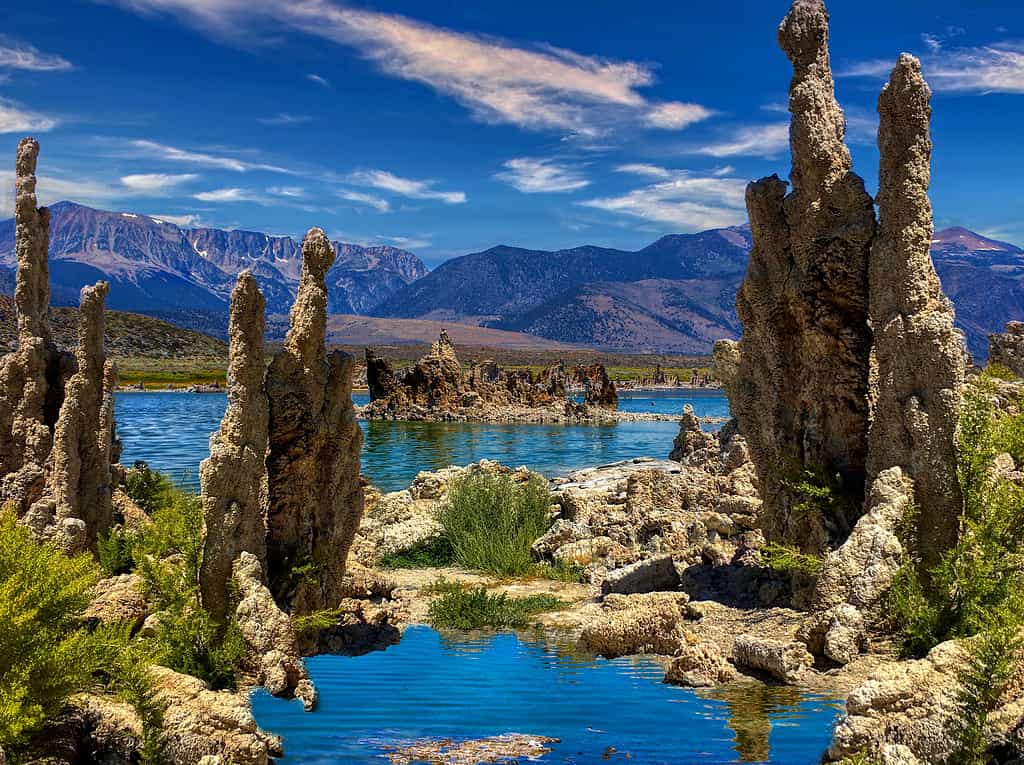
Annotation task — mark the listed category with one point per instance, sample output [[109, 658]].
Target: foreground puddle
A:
[[435, 693]]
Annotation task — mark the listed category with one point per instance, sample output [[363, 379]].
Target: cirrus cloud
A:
[[535, 176], [406, 187]]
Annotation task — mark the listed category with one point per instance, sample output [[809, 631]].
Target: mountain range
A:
[[676, 295], [186, 275]]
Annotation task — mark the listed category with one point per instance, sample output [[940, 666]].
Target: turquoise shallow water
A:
[[465, 687], [171, 432]]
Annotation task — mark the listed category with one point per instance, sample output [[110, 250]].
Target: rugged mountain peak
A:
[[919, 356]]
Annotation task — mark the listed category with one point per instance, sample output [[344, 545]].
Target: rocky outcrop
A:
[[598, 388], [200, 723], [315, 497], [57, 443], [799, 390], [32, 377], [920, 357], [700, 664], [692, 443], [912, 712], [274, 657], [843, 319], [81, 480], [118, 599], [785, 661], [629, 624], [436, 388], [233, 479], [1007, 349]]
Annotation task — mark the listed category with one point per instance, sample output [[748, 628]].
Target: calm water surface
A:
[[465, 687], [171, 432]]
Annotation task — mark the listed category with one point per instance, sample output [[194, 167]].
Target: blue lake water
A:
[[171, 432], [465, 687]]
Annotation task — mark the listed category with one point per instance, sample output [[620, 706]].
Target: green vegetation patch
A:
[[491, 521], [470, 609], [786, 559], [436, 552]]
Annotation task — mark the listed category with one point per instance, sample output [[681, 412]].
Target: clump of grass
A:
[[491, 521], [786, 559], [470, 609], [436, 552]]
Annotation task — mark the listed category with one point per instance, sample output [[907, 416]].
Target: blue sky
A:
[[447, 127]]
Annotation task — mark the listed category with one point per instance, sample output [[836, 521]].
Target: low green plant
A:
[[786, 559], [977, 589], [491, 521], [115, 552], [469, 609], [318, 620], [169, 553], [46, 652], [1000, 372], [817, 493], [436, 552], [148, 488]]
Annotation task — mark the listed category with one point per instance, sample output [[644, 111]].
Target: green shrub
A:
[[1000, 372], [149, 489], [169, 553], [116, 552], [465, 609], [817, 493], [977, 589], [431, 553], [46, 654], [785, 559], [491, 521]]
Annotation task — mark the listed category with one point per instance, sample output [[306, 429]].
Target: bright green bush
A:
[[149, 489], [116, 552], [491, 521], [977, 589], [169, 553], [46, 654], [470, 609]]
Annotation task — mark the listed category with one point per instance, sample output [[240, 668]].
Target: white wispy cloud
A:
[[674, 115], [406, 187], [225, 195], [534, 87], [533, 175], [156, 182], [686, 201], [995, 68], [751, 140], [323, 81], [644, 169], [15, 54], [167, 153], [379, 204], [285, 118], [15, 118], [292, 192]]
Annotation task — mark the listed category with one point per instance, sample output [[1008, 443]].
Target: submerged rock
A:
[[315, 490], [785, 661], [509, 748]]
